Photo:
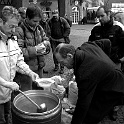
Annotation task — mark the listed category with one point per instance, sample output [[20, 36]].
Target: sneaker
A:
[[56, 68], [70, 111]]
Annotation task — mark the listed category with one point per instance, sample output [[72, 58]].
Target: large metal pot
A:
[[24, 112]]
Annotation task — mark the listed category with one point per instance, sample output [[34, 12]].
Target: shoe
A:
[[70, 111], [56, 68], [61, 71], [45, 71]]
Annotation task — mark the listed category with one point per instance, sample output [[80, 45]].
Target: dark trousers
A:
[[54, 44], [101, 105], [5, 113]]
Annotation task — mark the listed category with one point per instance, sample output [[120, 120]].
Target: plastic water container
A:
[[73, 92]]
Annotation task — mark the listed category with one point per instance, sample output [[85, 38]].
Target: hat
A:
[[55, 12]]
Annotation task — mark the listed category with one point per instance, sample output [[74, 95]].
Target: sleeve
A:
[[66, 28], [105, 45], [92, 36], [43, 34], [120, 38], [28, 51], [70, 22], [22, 67], [85, 95]]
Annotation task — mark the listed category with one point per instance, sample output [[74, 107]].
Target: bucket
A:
[[24, 112]]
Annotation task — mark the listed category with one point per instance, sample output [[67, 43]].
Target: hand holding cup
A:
[[40, 48]]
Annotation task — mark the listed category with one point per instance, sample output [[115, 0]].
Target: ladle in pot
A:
[[40, 109]]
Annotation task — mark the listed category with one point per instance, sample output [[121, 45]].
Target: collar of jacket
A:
[[3, 37], [78, 59], [13, 37], [28, 26], [108, 24]]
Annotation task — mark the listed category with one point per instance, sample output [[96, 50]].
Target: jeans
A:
[[5, 113]]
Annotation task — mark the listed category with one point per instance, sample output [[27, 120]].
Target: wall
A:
[[17, 3], [53, 6], [109, 2]]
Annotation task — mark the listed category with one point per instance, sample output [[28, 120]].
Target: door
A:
[[75, 15]]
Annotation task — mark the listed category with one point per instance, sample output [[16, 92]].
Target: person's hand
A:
[[34, 76], [40, 48], [122, 60], [48, 46], [12, 85]]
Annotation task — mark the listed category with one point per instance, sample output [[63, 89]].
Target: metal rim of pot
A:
[[32, 93]]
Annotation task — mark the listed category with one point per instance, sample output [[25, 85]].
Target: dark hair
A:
[[106, 9], [64, 49], [33, 11]]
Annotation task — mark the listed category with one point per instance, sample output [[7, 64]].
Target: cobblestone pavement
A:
[[66, 118], [79, 34]]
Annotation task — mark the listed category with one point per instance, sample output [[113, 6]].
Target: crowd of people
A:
[[27, 35], [11, 60], [98, 69]]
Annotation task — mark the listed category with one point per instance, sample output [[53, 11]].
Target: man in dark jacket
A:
[[60, 31], [107, 28], [100, 82]]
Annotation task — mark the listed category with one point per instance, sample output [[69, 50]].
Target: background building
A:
[[76, 10]]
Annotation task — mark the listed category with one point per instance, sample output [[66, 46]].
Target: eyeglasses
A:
[[12, 26]]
